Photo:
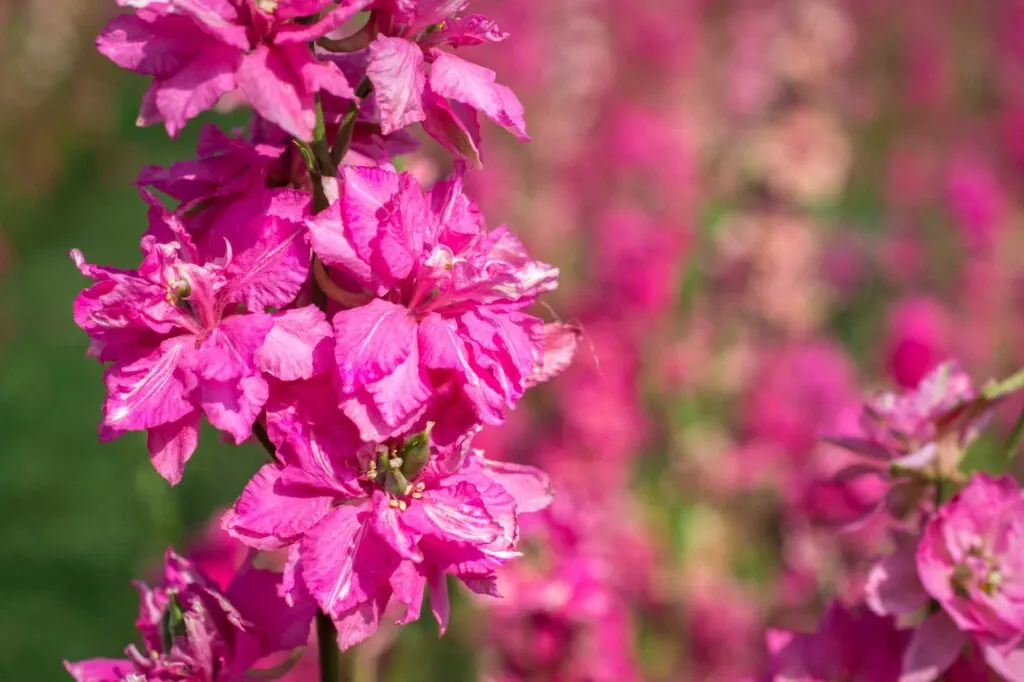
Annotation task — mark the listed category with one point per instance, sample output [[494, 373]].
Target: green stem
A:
[[343, 139], [1013, 444], [327, 648]]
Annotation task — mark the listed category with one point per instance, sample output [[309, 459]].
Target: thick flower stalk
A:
[[303, 291]]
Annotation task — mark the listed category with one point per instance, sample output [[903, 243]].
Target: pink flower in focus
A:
[[198, 50], [178, 339], [414, 81], [971, 560], [369, 528], [193, 632], [434, 328]]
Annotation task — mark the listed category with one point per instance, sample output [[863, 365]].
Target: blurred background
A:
[[763, 212]]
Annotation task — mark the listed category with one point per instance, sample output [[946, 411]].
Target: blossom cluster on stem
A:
[[298, 288]]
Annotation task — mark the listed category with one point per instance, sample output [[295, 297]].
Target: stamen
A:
[[392, 502], [402, 506]]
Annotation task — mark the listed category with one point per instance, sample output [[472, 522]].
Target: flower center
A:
[[395, 467], [980, 570]]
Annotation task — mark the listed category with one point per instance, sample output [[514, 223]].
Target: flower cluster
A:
[[304, 292]]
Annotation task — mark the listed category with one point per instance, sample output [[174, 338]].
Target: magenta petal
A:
[[233, 406], [439, 603], [100, 670], [396, 71], [402, 396], [264, 518], [441, 347], [327, 234], [333, 19], [452, 515], [171, 446], [344, 561], [151, 391], [560, 343], [385, 522], [933, 648], [474, 85], [317, 75], [454, 125], [1009, 664], [298, 346], [270, 256], [276, 91], [371, 342], [195, 88], [219, 18], [257, 595], [408, 587], [361, 621], [893, 586], [529, 487], [159, 47]]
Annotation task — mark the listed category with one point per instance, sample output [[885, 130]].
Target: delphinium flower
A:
[[917, 437], [198, 50], [433, 326], [304, 293], [970, 560], [193, 632], [178, 335], [416, 81], [368, 526]]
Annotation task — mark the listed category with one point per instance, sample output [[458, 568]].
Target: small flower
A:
[[434, 328], [370, 526], [915, 438], [178, 339], [971, 560], [198, 50], [414, 81], [193, 632]]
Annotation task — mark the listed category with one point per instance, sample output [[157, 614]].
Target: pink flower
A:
[[850, 644], [369, 528], [434, 328], [913, 437], [414, 81], [971, 560], [176, 335], [227, 168], [191, 631], [198, 50]]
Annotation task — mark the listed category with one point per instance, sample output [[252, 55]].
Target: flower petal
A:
[[298, 346], [265, 517], [171, 446], [474, 85], [276, 92], [396, 69], [151, 391], [371, 342], [933, 648], [344, 562]]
